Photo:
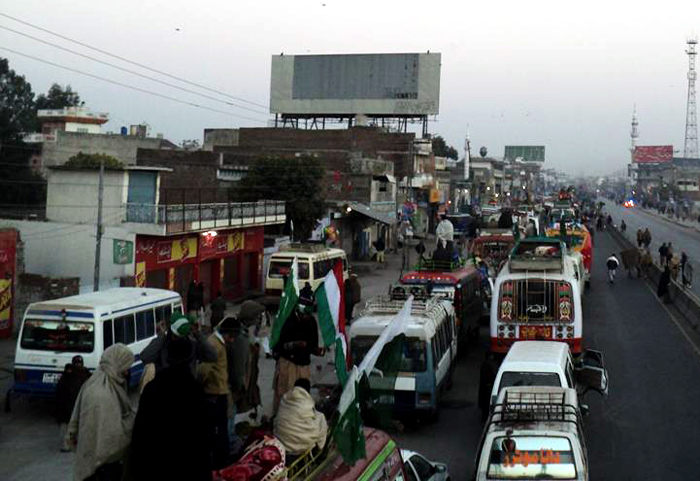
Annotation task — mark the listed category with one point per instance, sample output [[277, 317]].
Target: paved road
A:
[[662, 230], [646, 428]]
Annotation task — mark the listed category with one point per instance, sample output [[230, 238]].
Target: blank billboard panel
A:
[[370, 84], [525, 153]]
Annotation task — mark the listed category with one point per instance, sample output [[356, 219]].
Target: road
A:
[[646, 426], [662, 230], [645, 429]]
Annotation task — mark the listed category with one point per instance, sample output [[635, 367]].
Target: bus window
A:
[[107, 335], [124, 329], [145, 326], [163, 313], [413, 359], [50, 335], [278, 269], [321, 268]]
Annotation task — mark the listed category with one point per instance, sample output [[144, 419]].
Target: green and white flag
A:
[[329, 300], [396, 327], [348, 433], [288, 301]]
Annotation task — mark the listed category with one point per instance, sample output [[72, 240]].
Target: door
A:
[[141, 197], [157, 279]]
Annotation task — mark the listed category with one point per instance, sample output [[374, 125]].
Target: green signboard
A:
[[123, 251], [525, 153]]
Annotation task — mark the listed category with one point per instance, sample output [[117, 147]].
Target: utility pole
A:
[[98, 237], [691, 119]]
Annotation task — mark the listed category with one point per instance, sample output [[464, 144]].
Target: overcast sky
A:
[[513, 72]]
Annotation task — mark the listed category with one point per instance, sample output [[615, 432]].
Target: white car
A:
[[417, 468]]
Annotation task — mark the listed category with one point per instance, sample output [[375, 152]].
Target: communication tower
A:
[[634, 133], [691, 119]]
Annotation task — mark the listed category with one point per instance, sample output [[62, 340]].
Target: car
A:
[[418, 468]]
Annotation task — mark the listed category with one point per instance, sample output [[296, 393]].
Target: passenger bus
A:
[[427, 355], [457, 283], [537, 296], [314, 262], [52, 332]]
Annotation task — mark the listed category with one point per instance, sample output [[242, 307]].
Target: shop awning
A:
[[383, 217]]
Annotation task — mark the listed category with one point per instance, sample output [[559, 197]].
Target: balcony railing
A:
[[200, 216]]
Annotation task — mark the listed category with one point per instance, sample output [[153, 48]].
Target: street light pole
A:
[[98, 236]]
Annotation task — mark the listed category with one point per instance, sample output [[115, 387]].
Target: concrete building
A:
[[146, 242], [71, 119]]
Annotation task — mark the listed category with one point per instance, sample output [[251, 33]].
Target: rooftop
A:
[[74, 114]]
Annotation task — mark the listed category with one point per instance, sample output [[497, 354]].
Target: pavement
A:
[[646, 429], [29, 435]]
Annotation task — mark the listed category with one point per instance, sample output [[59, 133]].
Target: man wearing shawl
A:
[[103, 417]]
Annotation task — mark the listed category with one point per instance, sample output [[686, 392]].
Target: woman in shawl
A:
[[73, 377], [103, 417]]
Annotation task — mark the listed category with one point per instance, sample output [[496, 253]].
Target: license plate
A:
[[536, 332], [51, 377], [386, 399]]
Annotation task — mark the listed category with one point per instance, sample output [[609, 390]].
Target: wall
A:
[[193, 178], [67, 144], [83, 128], [219, 137], [55, 249], [72, 196], [36, 288]]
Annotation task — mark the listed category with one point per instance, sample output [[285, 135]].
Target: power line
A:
[[133, 72], [123, 59], [138, 89]]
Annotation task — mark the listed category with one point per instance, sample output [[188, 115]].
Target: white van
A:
[[548, 363], [314, 261], [54, 331]]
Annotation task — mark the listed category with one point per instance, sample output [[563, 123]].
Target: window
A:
[[570, 374], [107, 335], [413, 356], [423, 468], [163, 313], [279, 268], [558, 461], [510, 378], [54, 335], [124, 329], [145, 325], [410, 475], [321, 268]]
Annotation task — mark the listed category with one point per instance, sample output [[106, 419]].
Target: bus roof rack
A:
[[535, 406], [439, 265], [303, 247], [538, 254]]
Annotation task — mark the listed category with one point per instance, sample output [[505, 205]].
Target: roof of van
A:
[[112, 299], [537, 353], [297, 253], [423, 323], [541, 408]]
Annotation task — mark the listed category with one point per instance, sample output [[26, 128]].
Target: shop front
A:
[[226, 260]]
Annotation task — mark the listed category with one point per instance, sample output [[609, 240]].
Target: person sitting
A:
[[298, 425]]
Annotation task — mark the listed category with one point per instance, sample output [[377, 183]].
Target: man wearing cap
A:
[[180, 327], [298, 341], [215, 382]]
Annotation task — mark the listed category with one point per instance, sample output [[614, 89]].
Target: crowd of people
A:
[[182, 423]]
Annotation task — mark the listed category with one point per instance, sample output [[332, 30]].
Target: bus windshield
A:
[[413, 353], [50, 335]]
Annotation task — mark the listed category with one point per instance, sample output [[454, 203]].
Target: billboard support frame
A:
[[311, 122]]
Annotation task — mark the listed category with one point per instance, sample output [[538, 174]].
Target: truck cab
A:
[[549, 363], [534, 432]]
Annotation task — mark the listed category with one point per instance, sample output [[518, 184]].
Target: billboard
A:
[[371, 84], [525, 153], [649, 154]]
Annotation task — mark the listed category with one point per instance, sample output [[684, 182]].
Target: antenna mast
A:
[[691, 119]]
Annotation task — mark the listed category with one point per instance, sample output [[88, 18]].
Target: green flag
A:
[[348, 432], [340, 360], [288, 301]]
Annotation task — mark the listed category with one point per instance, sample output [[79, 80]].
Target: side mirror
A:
[[592, 377], [440, 468], [585, 409]]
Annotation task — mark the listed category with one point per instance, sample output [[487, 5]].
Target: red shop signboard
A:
[[8, 255]]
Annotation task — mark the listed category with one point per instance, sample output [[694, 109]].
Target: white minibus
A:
[[52, 332]]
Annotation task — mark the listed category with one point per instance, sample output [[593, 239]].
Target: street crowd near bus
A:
[[174, 390]]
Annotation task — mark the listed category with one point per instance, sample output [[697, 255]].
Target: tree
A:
[[59, 98], [441, 149], [92, 161], [19, 185], [296, 181], [16, 104]]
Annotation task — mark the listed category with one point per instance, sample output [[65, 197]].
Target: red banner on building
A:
[[8, 254], [648, 154]]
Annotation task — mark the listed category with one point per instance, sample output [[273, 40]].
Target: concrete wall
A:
[[67, 144], [83, 128], [72, 196], [219, 137], [55, 249], [36, 288]]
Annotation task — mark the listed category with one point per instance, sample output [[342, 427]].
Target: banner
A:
[[122, 251], [652, 154], [5, 304], [177, 250], [8, 252], [140, 274]]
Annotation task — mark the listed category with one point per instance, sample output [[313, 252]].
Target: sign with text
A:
[[653, 154], [122, 251], [524, 153]]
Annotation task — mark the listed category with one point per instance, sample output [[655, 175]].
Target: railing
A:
[[199, 216]]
